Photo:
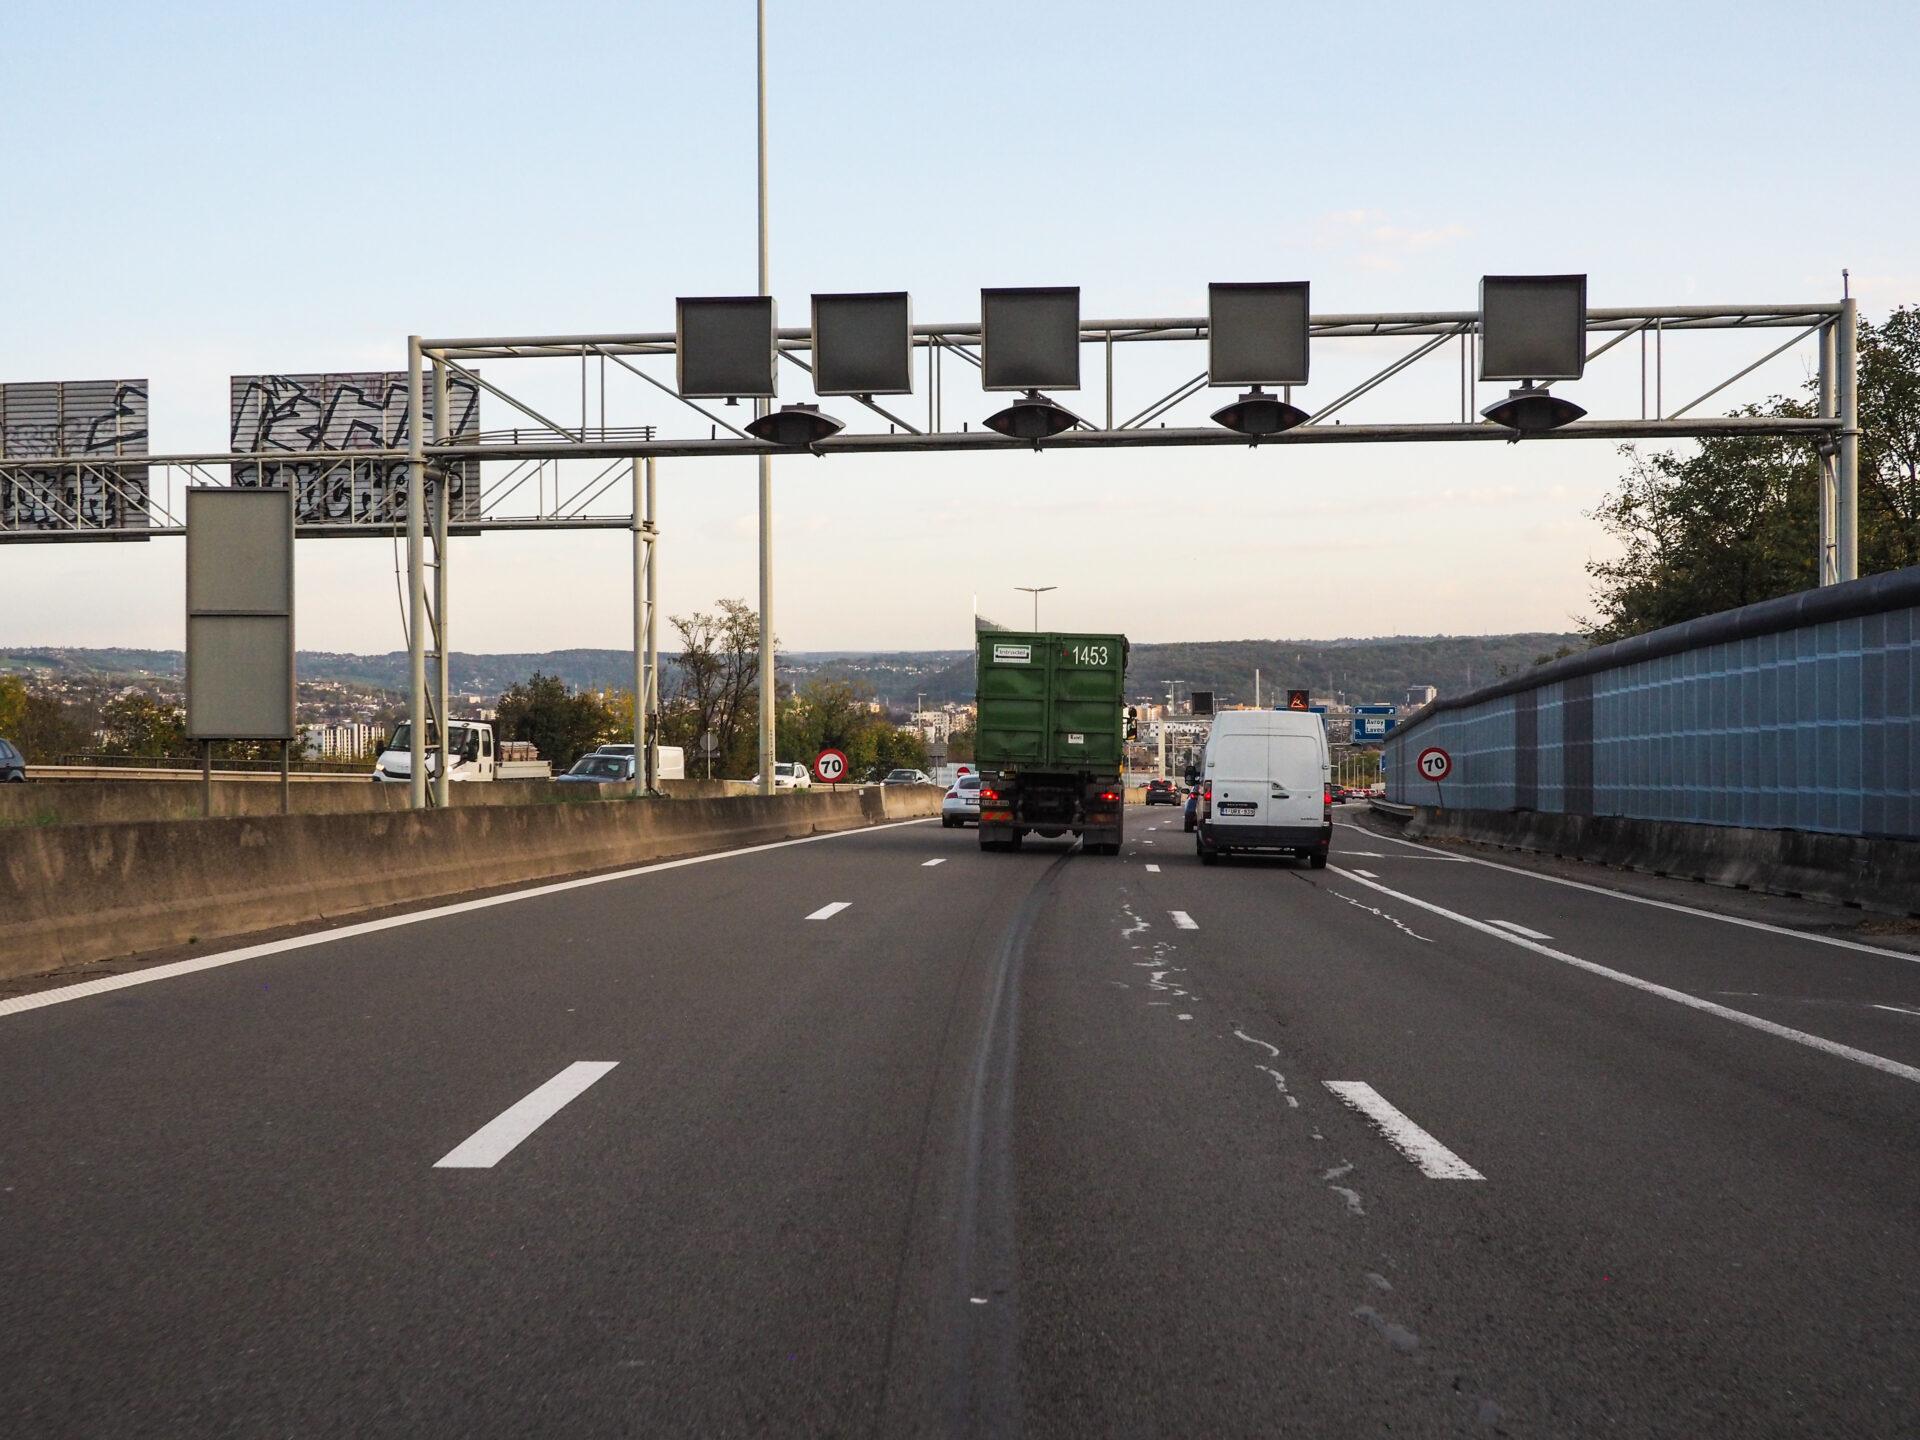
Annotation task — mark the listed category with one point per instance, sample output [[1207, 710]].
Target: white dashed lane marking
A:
[[940, 861], [1503, 924], [1436, 1162], [827, 912], [1153, 869], [493, 1141], [1182, 920], [1368, 873]]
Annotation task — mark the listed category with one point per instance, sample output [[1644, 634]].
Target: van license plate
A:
[[1238, 807]]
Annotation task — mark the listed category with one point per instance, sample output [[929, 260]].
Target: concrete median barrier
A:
[[1869, 873], [83, 892]]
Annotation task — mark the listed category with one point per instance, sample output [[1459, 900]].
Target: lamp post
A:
[[767, 686], [1036, 591]]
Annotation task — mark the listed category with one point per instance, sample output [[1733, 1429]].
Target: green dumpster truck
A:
[[1050, 739]]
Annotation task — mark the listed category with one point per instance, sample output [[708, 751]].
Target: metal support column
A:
[[767, 685], [653, 627], [640, 568], [442, 775], [1824, 453], [416, 584], [1846, 509]]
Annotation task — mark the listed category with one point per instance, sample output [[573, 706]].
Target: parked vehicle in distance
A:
[[907, 777], [1267, 784], [13, 765], [1051, 738], [472, 755], [597, 768], [671, 760], [789, 775], [961, 803], [1162, 792]]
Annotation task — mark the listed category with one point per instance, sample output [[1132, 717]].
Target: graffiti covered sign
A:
[[313, 424], [102, 420]]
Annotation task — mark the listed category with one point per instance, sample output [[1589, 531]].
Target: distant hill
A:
[[1360, 669]]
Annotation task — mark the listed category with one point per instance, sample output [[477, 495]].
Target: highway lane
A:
[[1000, 1144]]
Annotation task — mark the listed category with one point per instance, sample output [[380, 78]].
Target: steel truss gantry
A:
[[539, 447]]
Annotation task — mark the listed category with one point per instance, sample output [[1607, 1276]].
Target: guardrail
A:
[[162, 772]]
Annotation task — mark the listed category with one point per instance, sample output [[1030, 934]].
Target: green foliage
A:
[[1737, 520], [136, 724], [834, 714], [717, 688], [563, 724], [44, 727]]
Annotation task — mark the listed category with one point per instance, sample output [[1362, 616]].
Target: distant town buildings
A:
[[349, 740], [938, 726]]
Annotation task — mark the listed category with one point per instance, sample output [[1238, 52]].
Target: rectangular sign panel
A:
[[240, 680], [312, 424], [103, 420]]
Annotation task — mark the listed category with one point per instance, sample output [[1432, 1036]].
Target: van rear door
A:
[[1237, 770], [1296, 780]]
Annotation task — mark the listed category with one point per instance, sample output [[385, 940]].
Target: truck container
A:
[[1050, 738]]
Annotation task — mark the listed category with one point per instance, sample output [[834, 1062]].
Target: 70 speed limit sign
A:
[[1434, 763], [830, 767]]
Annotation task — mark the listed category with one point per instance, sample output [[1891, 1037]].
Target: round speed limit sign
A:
[[1435, 763], [830, 767]]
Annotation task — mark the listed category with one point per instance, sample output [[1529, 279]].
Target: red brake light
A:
[[986, 794], [1108, 795]]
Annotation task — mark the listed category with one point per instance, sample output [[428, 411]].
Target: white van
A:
[[1264, 786]]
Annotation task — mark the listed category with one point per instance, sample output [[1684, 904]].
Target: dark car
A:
[[598, 769], [1162, 792], [13, 765]]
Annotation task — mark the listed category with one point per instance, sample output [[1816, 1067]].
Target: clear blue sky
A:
[[202, 190]]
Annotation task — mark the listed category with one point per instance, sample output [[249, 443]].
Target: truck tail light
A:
[[988, 794], [1108, 795]]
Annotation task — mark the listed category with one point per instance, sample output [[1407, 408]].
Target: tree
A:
[[562, 724], [46, 728], [138, 724], [13, 704], [718, 686], [1737, 520]]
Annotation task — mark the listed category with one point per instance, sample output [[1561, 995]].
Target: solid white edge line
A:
[[1435, 1160], [17, 1004], [1368, 873], [828, 911], [1182, 920], [493, 1141], [1679, 997], [1519, 929], [1645, 900]]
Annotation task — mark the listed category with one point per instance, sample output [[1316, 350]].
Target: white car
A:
[[961, 804], [789, 775]]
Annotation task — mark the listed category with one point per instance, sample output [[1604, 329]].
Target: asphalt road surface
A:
[[879, 1135]]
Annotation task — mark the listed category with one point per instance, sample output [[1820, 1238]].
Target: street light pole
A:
[[1036, 591], [767, 686]]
